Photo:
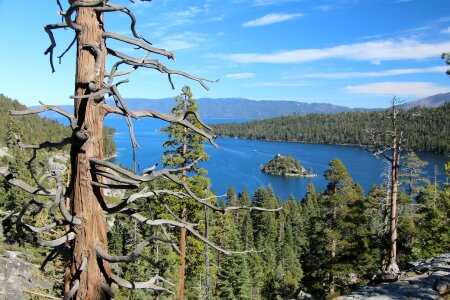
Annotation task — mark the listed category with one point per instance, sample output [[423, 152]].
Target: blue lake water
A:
[[238, 162]]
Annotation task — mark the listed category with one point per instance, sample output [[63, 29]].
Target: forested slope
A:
[[426, 129], [33, 129]]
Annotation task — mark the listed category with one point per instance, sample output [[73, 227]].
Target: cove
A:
[[238, 162]]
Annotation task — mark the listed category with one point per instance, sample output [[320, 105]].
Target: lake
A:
[[238, 162]]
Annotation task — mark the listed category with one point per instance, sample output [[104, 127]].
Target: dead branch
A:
[[156, 65], [181, 120], [159, 222], [124, 204], [151, 284], [138, 43], [10, 178], [115, 177], [73, 290], [131, 257], [48, 28], [67, 49], [174, 246], [113, 8], [43, 108], [47, 144]]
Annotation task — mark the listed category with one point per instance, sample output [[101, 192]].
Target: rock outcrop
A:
[[18, 276], [424, 279]]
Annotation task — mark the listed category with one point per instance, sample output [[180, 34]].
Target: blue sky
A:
[[345, 52]]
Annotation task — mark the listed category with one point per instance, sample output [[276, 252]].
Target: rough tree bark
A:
[[85, 198]]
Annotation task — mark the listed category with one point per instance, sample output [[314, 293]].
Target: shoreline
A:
[[315, 143]]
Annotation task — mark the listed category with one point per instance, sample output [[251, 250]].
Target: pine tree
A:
[[234, 272], [184, 147], [432, 222], [411, 173]]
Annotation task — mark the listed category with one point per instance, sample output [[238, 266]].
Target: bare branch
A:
[[9, 177], [134, 255], [159, 222], [115, 178], [155, 64], [73, 290], [43, 108], [47, 144], [181, 120], [151, 284], [118, 37], [67, 49], [48, 28], [124, 204], [112, 8]]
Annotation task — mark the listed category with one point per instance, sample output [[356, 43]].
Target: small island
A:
[[285, 166]]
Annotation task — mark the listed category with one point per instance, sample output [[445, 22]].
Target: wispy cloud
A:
[[271, 19], [271, 2], [324, 8], [279, 84], [398, 89], [446, 30], [240, 75], [375, 51], [182, 41], [394, 72]]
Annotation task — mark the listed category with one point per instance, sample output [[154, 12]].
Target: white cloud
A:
[[369, 51], [182, 41], [446, 30], [240, 75], [271, 19], [393, 72], [398, 89]]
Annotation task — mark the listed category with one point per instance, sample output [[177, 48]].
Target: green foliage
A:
[[185, 146], [283, 165], [411, 173], [427, 129], [446, 56]]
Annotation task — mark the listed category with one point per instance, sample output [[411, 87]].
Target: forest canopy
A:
[[426, 129]]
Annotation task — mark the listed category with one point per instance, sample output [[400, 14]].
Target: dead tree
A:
[[90, 276], [392, 154]]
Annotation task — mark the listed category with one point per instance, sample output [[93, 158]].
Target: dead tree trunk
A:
[[87, 144], [180, 293], [395, 165]]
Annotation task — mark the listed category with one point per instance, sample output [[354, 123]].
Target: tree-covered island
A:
[[285, 166]]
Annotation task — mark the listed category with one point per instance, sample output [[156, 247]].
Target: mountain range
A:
[[241, 108]]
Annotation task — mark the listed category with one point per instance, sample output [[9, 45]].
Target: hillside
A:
[[426, 129], [431, 101], [233, 108], [34, 129], [241, 108]]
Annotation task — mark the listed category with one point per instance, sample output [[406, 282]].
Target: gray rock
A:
[[16, 276], [413, 283]]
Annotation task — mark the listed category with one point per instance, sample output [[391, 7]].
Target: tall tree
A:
[[338, 188], [392, 154], [185, 147]]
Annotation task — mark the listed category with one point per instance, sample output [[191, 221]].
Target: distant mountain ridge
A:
[[241, 108], [431, 101]]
